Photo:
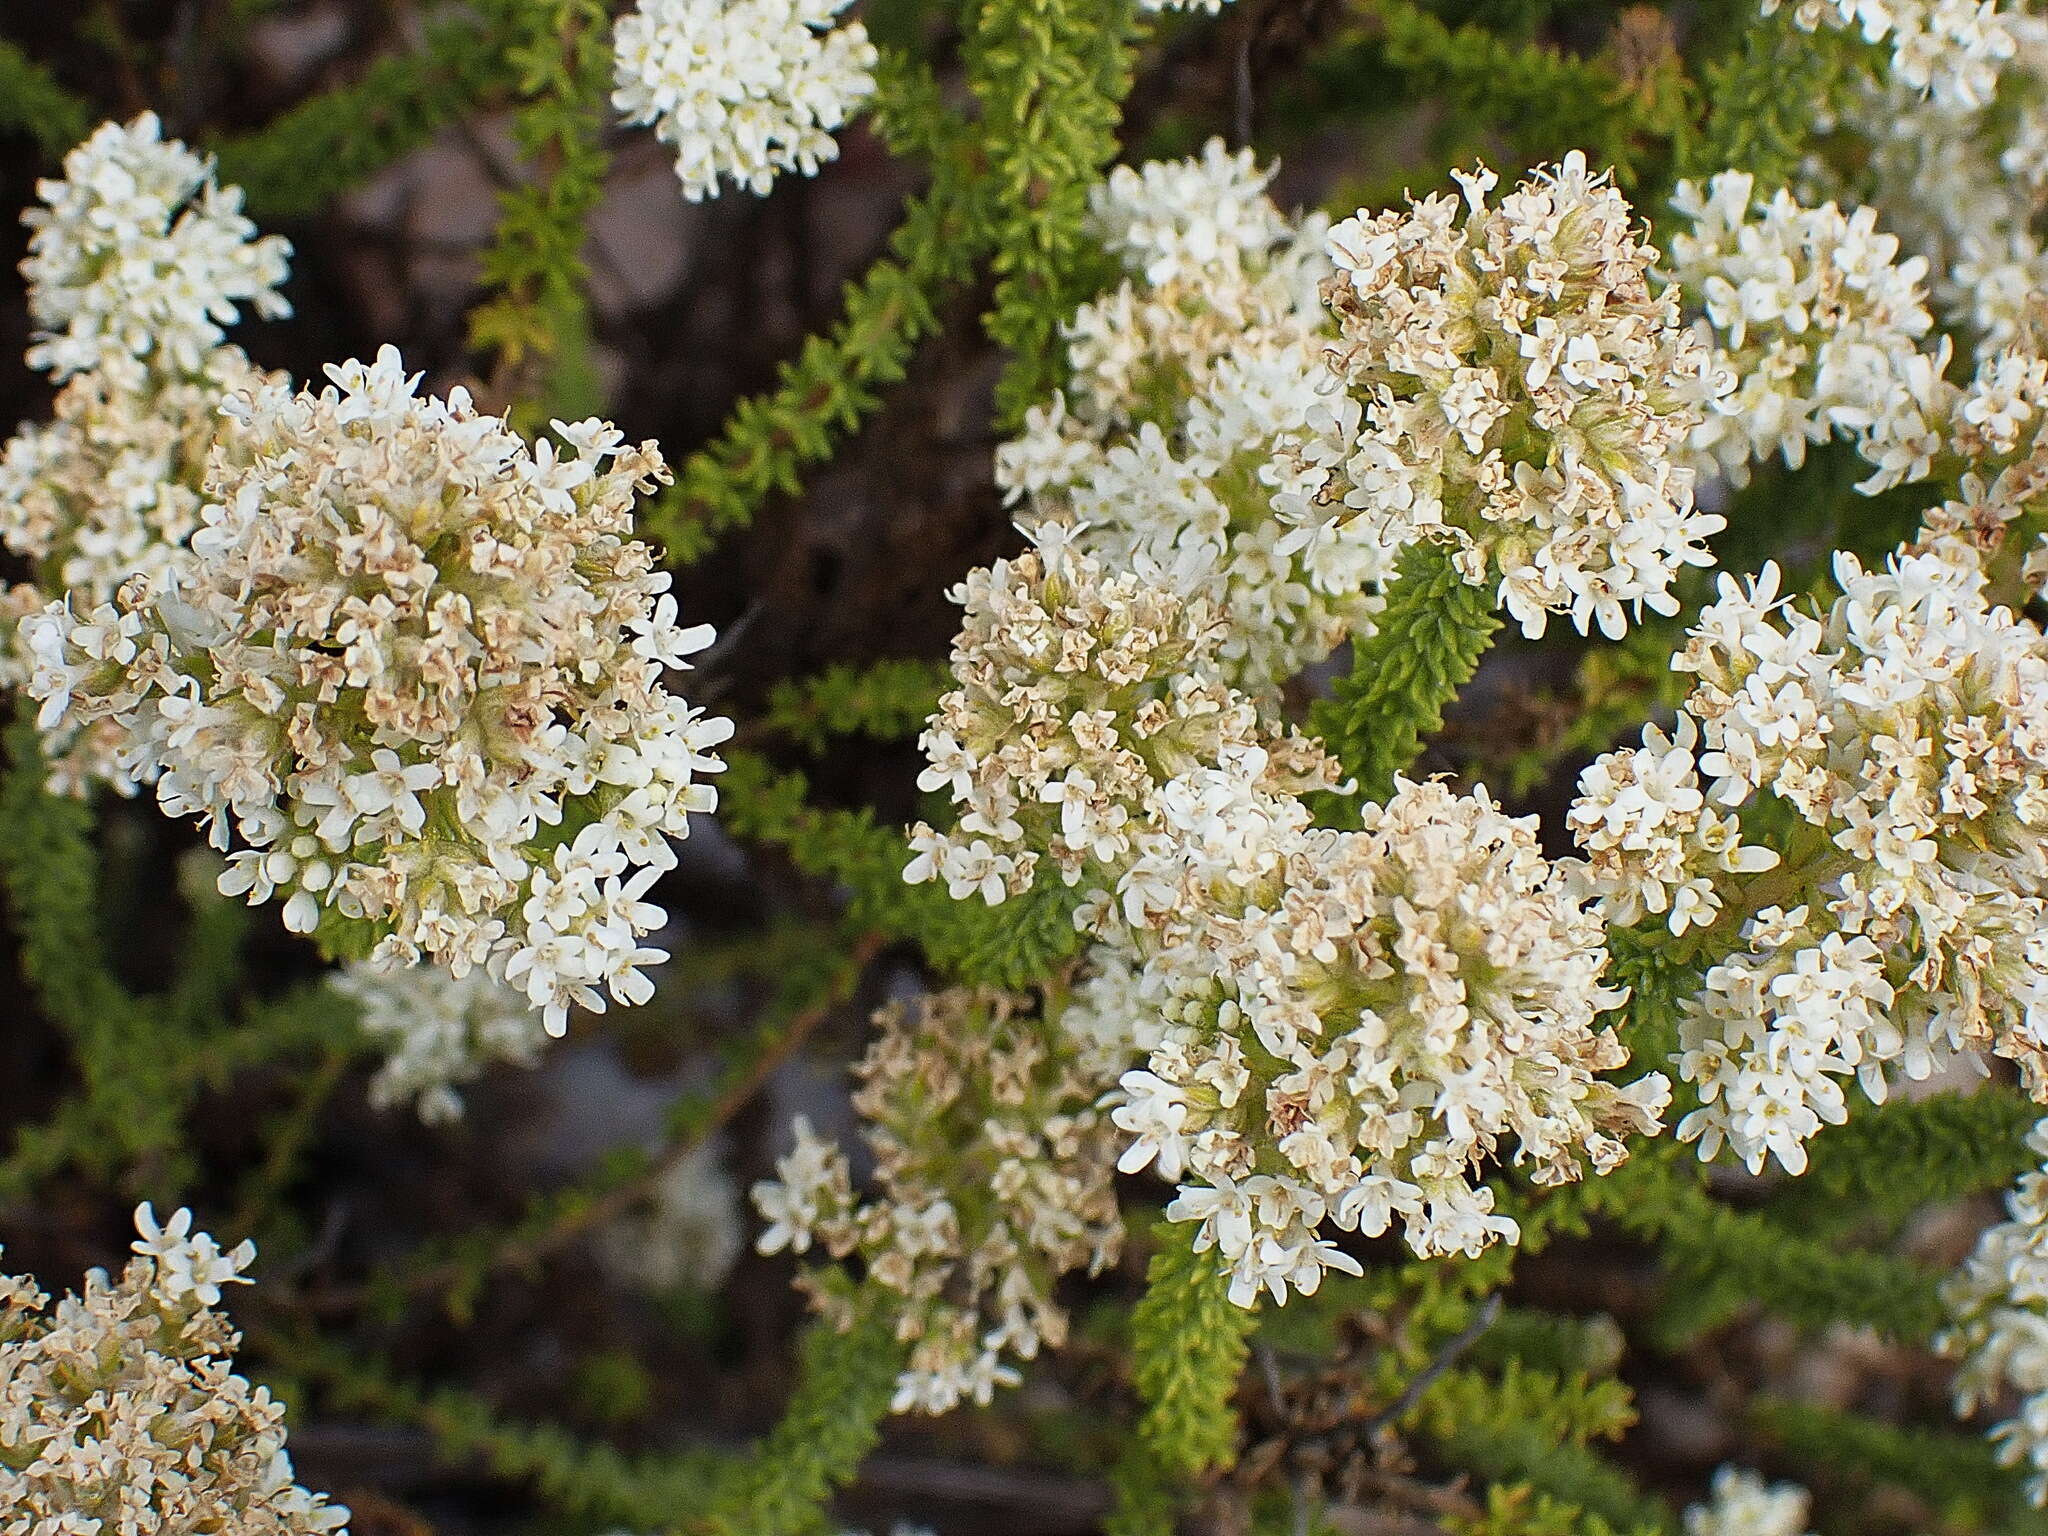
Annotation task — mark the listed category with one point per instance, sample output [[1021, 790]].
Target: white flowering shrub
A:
[[1458, 942]]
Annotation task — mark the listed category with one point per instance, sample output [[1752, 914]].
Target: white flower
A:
[[1951, 49], [1907, 917], [188, 1263], [1998, 1301], [1355, 1022], [397, 663], [744, 89], [992, 1161], [1191, 390], [1169, 220], [688, 1236], [441, 1030], [1517, 390], [1821, 325], [1742, 1506], [138, 259], [1080, 693], [124, 1412]]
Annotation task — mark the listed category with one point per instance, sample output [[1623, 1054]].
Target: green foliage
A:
[[1431, 635], [538, 320], [141, 1061], [1797, 1277], [32, 101], [1013, 945], [845, 1383], [592, 1481], [832, 384], [300, 162], [1570, 1409], [1579, 1483], [1541, 97], [1892, 1158], [1188, 1348], [1050, 76], [886, 700], [1768, 100], [1956, 1472], [1521, 1510]]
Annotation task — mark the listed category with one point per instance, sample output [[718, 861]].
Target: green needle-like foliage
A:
[[1188, 1345], [1431, 635]]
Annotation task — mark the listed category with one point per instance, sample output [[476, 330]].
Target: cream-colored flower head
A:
[[1518, 388], [417, 670], [1358, 1021], [124, 1413], [137, 260], [1894, 746], [1081, 693], [993, 1167], [744, 89]]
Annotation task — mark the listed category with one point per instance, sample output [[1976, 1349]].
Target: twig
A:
[[1446, 1357]]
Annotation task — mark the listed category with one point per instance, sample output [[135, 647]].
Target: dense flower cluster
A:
[[1902, 731], [441, 1030], [1163, 453], [1742, 1505], [994, 1175], [1964, 184], [1949, 49], [1358, 1020], [418, 669], [107, 491], [1999, 1303], [1082, 695], [139, 259], [1999, 430], [744, 89], [110, 488], [1518, 388], [121, 1412], [1820, 323]]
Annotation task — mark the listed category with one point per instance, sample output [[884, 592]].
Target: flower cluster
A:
[[1999, 1304], [1356, 1021], [1965, 185], [121, 1412], [1163, 455], [1999, 430], [139, 259], [441, 1030], [1743, 1506], [107, 491], [1895, 747], [1519, 389], [1820, 323], [1951, 50], [1652, 843], [744, 89], [418, 669], [994, 1175], [1083, 695], [687, 1236]]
